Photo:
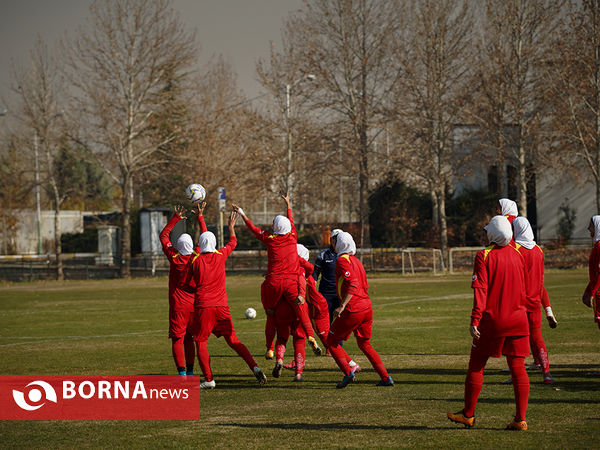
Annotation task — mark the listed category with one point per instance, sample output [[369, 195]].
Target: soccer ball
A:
[[195, 193], [250, 313]]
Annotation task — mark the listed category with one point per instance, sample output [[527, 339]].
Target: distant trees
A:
[[120, 66]]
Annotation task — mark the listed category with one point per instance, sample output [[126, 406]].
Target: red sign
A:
[[99, 397]]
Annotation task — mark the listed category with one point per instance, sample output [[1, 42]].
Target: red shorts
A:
[[180, 323], [358, 322], [215, 320], [503, 345], [274, 289]]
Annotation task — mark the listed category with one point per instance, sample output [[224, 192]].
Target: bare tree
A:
[[119, 64], [39, 88], [515, 43], [347, 45], [574, 68], [434, 53]]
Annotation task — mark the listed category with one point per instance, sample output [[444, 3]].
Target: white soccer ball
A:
[[195, 193], [250, 313]]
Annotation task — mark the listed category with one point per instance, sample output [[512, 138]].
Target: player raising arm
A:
[[181, 294], [283, 279], [211, 311]]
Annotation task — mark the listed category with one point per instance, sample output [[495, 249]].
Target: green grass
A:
[[420, 330]]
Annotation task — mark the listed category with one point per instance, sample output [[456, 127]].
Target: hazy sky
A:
[[238, 29]]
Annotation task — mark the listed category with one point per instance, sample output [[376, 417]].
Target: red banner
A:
[[99, 397]]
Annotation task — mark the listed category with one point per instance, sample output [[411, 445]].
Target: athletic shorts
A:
[[286, 322], [358, 322], [180, 323], [274, 289], [504, 345], [215, 320]]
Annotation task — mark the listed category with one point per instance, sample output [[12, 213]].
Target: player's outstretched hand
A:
[[232, 218], [299, 300], [286, 198], [338, 311], [587, 300], [238, 210], [475, 332], [180, 211], [199, 209]]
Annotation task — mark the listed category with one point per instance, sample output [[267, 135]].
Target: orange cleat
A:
[[520, 425], [460, 417]]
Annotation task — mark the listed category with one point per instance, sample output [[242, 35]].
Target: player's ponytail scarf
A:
[[523, 233], [508, 207], [207, 242], [303, 252], [344, 243], [281, 225], [185, 244], [499, 231], [596, 224]]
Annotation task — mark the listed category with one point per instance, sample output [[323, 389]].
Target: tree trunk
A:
[[125, 228], [522, 179], [57, 244], [443, 225], [435, 217], [365, 231]]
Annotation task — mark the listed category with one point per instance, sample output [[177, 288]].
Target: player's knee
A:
[[332, 340]]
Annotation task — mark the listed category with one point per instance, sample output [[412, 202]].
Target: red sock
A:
[[270, 332], [299, 355], [538, 348], [204, 360], [177, 351], [474, 381], [366, 347], [302, 313], [520, 381], [190, 350], [279, 349], [233, 341], [338, 354]]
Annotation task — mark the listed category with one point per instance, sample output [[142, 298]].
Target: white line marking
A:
[[38, 340]]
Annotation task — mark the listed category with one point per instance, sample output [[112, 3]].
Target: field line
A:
[[426, 299], [36, 340]]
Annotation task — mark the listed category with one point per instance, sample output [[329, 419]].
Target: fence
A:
[[405, 261]]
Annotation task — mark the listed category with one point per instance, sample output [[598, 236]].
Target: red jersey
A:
[[181, 290], [208, 273], [351, 278], [534, 279], [594, 271], [314, 298], [499, 292], [281, 249]]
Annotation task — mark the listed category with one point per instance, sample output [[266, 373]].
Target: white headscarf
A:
[[499, 231], [303, 252], [281, 225], [508, 207], [596, 224], [207, 242], [523, 233], [185, 244], [344, 243], [335, 232]]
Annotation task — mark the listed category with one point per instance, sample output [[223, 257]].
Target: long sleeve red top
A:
[[208, 273], [594, 271], [351, 278], [499, 292], [535, 292], [181, 290], [281, 249]]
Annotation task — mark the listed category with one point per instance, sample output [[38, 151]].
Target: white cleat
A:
[[208, 384]]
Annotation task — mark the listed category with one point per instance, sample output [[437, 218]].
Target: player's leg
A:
[[473, 385], [538, 348], [269, 294], [178, 354], [177, 331], [204, 322], [521, 389], [188, 345], [293, 290], [299, 356]]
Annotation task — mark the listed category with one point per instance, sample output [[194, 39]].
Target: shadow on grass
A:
[[342, 426], [536, 401]]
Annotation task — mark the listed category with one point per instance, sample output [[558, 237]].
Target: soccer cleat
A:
[[534, 366], [270, 354], [460, 417], [208, 384], [259, 374], [552, 321], [346, 380], [548, 378], [290, 366], [182, 372], [520, 425], [298, 378], [277, 369], [356, 368], [508, 381], [315, 346], [387, 382]]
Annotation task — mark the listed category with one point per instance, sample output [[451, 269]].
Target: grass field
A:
[[420, 330]]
